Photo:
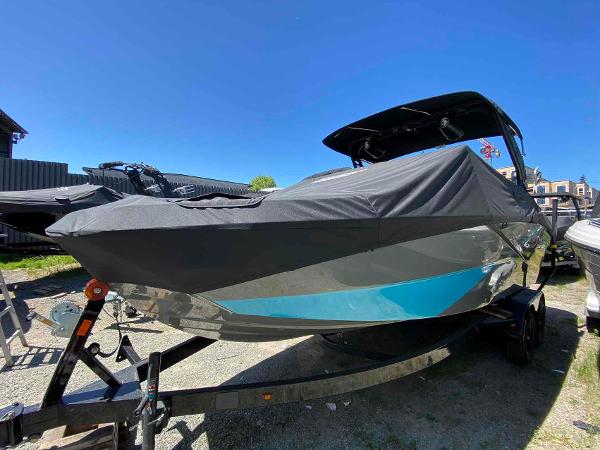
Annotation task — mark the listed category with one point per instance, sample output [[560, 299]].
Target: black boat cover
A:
[[57, 200], [204, 243]]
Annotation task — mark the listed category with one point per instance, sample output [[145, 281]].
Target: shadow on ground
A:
[[69, 280], [473, 399], [563, 276], [34, 356], [22, 310], [126, 327]]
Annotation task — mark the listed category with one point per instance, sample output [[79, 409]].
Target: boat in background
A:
[[395, 238], [585, 238], [32, 211], [563, 256]]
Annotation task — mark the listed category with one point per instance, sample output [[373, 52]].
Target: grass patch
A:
[[564, 280], [586, 372], [47, 262], [554, 436]]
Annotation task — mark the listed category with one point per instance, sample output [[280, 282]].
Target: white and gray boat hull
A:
[[585, 237]]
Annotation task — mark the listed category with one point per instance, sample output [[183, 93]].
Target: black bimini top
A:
[[421, 125]]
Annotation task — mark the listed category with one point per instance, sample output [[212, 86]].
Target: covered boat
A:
[[423, 236], [34, 210]]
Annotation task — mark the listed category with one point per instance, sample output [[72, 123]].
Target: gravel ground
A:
[[475, 399]]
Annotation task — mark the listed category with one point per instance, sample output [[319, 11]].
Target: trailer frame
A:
[[118, 398]]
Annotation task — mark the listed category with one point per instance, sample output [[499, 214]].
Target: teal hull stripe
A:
[[414, 299]]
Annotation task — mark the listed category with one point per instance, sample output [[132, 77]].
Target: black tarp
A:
[[194, 245], [57, 200]]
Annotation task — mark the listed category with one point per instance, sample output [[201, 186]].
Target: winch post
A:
[[95, 291], [149, 416]]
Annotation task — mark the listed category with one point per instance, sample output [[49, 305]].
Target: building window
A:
[[580, 191], [561, 188], [541, 190]]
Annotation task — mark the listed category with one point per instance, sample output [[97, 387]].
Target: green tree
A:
[[582, 179], [260, 182]]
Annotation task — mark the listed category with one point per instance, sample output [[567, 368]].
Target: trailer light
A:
[[96, 289], [267, 396], [84, 327]]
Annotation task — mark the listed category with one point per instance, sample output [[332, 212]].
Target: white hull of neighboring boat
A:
[[585, 237]]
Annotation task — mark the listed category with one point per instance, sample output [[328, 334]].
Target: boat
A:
[[584, 235], [563, 255], [32, 211], [565, 218], [405, 234]]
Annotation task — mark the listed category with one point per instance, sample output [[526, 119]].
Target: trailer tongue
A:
[[118, 397]]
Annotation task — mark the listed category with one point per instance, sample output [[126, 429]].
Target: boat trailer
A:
[[118, 397]]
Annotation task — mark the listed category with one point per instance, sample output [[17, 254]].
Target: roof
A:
[[513, 168], [420, 125], [10, 125]]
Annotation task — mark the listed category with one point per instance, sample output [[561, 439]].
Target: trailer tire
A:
[[540, 317], [519, 349], [578, 271], [592, 324]]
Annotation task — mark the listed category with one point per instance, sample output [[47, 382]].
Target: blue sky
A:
[[232, 89]]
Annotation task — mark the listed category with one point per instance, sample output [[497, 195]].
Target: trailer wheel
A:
[[578, 271], [540, 316], [519, 350], [592, 324]]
